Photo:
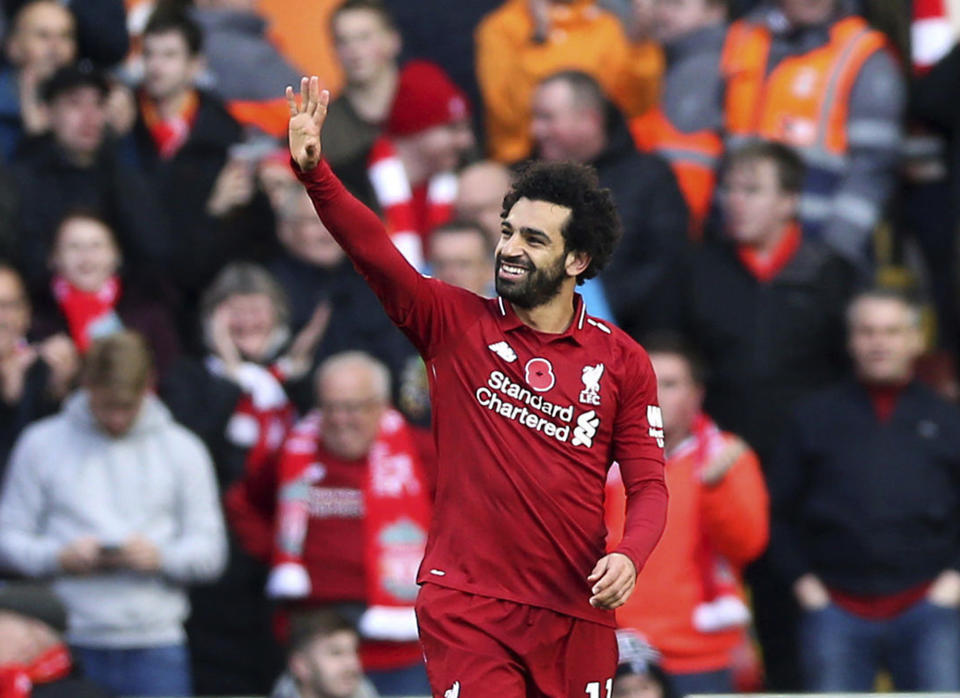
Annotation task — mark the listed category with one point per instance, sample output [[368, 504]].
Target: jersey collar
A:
[[574, 332]]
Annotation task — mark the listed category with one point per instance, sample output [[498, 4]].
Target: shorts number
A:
[[593, 689]]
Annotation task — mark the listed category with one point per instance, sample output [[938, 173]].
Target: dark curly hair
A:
[[593, 227]]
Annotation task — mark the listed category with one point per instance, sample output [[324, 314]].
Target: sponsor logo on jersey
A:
[[586, 429], [539, 374], [453, 691], [504, 351], [591, 375], [514, 401]]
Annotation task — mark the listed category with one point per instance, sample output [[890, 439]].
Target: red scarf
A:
[[18, 680], [396, 508], [169, 135], [766, 267], [410, 214], [89, 314]]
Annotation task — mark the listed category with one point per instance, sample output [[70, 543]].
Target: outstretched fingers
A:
[[292, 101]]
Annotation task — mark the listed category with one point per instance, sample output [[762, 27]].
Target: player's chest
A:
[[563, 390]]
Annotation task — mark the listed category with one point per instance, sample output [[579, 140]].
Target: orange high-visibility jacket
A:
[[804, 100], [510, 64], [694, 158]]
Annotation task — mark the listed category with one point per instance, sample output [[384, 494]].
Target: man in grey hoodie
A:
[[118, 505]]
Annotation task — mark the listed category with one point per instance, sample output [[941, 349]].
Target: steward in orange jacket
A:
[[829, 87]]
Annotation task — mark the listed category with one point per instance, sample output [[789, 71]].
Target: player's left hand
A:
[[613, 579]]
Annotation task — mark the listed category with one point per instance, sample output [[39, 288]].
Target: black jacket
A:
[[34, 403], [870, 507], [50, 186], [765, 344], [655, 226], [201, 244]]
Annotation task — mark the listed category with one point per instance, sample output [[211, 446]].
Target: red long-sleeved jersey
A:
[[526, 426]]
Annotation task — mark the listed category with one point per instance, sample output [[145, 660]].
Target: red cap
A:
[[425, 97]]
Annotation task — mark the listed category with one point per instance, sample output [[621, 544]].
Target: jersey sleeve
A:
[[428, 311], [638, 448]]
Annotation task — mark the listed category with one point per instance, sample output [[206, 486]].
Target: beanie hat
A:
[[33, 601], [425, 97]]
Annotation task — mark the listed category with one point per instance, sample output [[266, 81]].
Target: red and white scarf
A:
[[932, 33], [90, 314], [408, 220], [396, 519], [18, 680]]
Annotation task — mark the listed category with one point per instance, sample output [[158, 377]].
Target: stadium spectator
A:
[[76, 166], [411, 166], [101, 28], [34, 660], [639, 674], [244, 67], [183, 136], [90, 298], [118, 504], [865, 495], [34, 377], [573, 120], [322, 659], [313, 271], [480, 193], [684, 126], [524, 41], [42, 39], [461, 254], [235, 399], [764, 304], [814, 76], [352, 498], [367, 44], [717, 523]]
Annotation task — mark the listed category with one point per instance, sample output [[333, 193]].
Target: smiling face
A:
[[253, 319], [531, 258], [85, 253], [352, 404]]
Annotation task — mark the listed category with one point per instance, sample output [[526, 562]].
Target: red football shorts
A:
[[480, 647]]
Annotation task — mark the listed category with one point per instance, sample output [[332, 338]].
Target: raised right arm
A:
[[428, 311]]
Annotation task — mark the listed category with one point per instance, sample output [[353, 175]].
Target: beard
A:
[[538, 287]]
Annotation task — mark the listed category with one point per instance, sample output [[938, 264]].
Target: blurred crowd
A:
[[214, 446]]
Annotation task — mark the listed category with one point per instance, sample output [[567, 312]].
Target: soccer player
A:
[[532, 401]]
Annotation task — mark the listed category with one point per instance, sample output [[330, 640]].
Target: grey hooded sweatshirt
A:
[[67, 479]]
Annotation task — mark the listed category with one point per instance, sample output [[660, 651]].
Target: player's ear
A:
[[577, 263]]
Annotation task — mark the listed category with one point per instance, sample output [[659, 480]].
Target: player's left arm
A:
[[638, 448]]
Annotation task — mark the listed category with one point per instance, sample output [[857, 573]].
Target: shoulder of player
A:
[[625, 355], [467, 299]]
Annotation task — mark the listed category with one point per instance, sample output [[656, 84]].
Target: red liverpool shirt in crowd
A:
[[526, 425]]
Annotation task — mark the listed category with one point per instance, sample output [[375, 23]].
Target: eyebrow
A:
[[527, 230]]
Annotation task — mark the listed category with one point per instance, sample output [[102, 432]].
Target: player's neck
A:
[[552, 317]]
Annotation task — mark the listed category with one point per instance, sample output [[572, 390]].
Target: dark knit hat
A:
[[426, 97], [33, 601], [71, 77]]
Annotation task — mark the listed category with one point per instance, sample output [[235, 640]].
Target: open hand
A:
[[306, 119], [613, 579]]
